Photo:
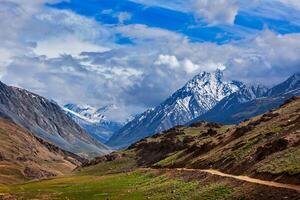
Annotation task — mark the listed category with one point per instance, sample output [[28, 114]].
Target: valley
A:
[[149, 99], [256, 159], [212, 139]]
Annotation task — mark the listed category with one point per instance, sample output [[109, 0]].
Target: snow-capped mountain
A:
[[245, 94], [292, 84], [85, 112], [198, 96], [251, 101], [93, 120]]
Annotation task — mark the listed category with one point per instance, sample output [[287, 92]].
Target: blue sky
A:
[[246, 22], [129, 53]]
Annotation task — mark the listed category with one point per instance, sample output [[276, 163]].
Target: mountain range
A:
[[206, 98], [251, 101], [197, 96], [83, 129]]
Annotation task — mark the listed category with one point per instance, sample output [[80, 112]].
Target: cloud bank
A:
[[73, 58]]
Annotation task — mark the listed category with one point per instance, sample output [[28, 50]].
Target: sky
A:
[[135, 53]]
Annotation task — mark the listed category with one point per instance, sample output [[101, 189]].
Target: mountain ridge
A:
[[46, 120], [203, 99], [247, 103], [197, 96]]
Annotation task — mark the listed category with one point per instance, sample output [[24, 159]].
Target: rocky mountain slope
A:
[[47, 121], [265, 147], [251, 101], [24, 157], [198, 96], [94, 120]]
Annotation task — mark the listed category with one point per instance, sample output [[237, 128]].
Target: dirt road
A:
[[243, 178]]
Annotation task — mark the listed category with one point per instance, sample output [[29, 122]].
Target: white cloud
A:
[[179, 5], [123, 17], [189, 66], [172, 62], [168, 60], [217, 11], [143, 33], [269, 53], [128, 75], [57, 46]]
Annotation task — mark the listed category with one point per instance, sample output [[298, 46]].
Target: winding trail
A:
[[241, 178]]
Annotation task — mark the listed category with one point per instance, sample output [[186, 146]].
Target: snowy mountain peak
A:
[[210, 85], [245, 94], [205, 77], [197, 96], [95, 121], [86, 112]]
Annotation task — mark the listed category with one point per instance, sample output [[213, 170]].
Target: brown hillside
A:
[[24, 157], [266, 147]]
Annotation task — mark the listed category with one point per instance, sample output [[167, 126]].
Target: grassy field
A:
[[104, 181]]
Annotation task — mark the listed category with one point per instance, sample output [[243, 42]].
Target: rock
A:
[[210, 132], [36, 173], [242, 130], [269, 116], [213, 125], [22, 159], [188, 139], [270, 148], [2, 157]]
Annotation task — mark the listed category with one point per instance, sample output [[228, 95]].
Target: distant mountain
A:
[[94, 120], [292, 84], [198, 96], [46, 120], [251, 101]]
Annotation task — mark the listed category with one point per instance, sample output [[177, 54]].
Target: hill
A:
[[24, 157], [265, 146]]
